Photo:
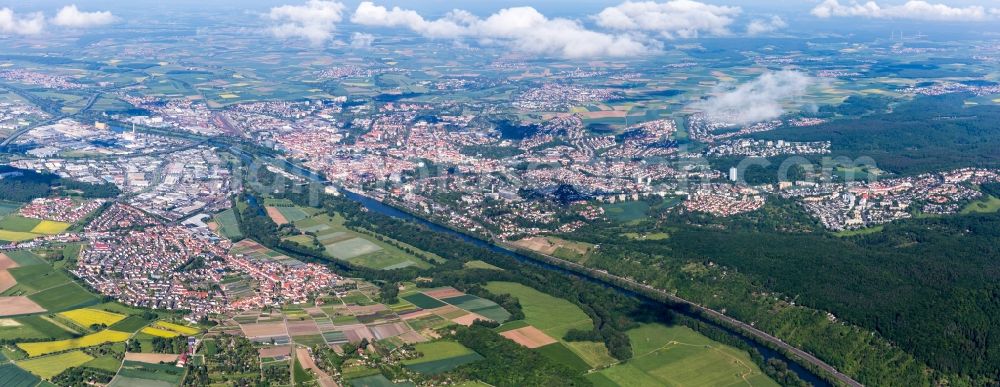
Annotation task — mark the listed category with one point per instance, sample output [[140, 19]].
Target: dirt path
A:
[[307, 363]]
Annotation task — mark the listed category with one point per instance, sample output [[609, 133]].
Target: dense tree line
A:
[[509, 364], [930, 286], [83, 376], [609, 309], [22, 185], [928, 134], [613, 312], [175, 344]]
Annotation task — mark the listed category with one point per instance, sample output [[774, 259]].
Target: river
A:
[[382, 208]]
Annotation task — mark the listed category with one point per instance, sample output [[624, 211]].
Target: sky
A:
[[557, 28]]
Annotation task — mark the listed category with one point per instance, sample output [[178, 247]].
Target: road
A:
[[654, 293], [19, 133], [715, 315]]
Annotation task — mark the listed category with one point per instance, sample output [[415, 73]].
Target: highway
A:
[[19, 133]]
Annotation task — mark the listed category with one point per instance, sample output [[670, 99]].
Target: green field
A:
[[293, 214], [626, 211], [47, 286], [64, 297], [107, 363], [50, 366], [376, 381], [562, 354], [299, 374], [441, 356], [35, 278], [140, 374], [18, 223], [481, 306], [423, 301], [228, 226], [25, 258], [988, 205], [679, 356], [11, 376], [7, 208], [552, 315], [130, 324], [30, 327], [555, 317], [480, 265], [359, 248]]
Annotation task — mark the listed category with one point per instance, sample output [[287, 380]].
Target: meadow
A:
[[141, 374], [15, 228], [441, 356], [360, 249], [50, 366], [680, 356], [228, 225], [12, 376], [555, 317]]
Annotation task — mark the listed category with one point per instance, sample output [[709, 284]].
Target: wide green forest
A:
[[930, 286], [924, 135]]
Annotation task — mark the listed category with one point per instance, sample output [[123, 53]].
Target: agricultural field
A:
[[16, 228], [49, 227], [228, 226], [139, 374], [87, 317], [441, 356], [44, 285], [159, 332], [129, 324], [7, 208], [679, 356], [46, 347], [31, 327], [453, 305], [357, 248], [35, 285], [376, 381], [49, 366], [12, 376], [555, 316], [182, 329]]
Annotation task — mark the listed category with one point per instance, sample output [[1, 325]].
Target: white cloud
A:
[[362, 40], [455, 24], [760, 26], [671, 19], [521, 28], [913, 9], [314, 21], [70, 16], [757, 100], [29, 24]]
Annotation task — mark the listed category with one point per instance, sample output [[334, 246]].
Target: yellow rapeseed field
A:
[[15, 236], [87, 317], [159, 332], [185, 330], [45, 347], [48, 227]]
